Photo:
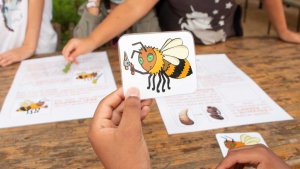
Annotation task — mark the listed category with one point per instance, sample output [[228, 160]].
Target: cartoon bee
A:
[[31, 106], [85, 76], [169, 61], [245, 140]]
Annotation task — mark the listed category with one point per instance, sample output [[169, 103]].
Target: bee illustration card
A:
[[158, 64], [231, 140]]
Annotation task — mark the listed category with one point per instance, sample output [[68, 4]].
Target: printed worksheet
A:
[[41, 92], [225, 97]]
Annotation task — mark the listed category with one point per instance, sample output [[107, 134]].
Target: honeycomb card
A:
[[158, 64], [229, 141]]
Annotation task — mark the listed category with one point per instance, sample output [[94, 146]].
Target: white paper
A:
[[64, 96], [233, 140], [234, 98], [183, 79]]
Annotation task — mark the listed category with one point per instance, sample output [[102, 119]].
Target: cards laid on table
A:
[[158, 64], [231, 140]]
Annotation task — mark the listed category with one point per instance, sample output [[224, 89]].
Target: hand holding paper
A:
[[116, 131]]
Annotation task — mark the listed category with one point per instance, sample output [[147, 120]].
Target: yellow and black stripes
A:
[[24, 108], [82, 77], [182, 70]]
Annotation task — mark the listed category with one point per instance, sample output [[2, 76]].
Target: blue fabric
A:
[[117, 1]]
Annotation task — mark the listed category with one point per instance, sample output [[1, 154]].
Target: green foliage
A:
[[65, 11]]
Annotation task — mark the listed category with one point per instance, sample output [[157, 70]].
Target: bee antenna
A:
[[135, 52], [229, 137], [141, 44]]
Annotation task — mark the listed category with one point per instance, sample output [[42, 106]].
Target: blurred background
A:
[[254, 20]]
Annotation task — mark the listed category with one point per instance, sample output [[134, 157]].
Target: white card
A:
[[158, 64], [231, 140]]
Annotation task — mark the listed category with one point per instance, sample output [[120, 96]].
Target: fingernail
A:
[[71, 59], [133, 92]]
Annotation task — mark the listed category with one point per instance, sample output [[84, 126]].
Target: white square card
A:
[[228, 141], [158, 64]]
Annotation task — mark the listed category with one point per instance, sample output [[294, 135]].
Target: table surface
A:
[[271, 63]]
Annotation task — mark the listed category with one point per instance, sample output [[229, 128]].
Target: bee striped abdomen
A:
[[180, 71], [24, 108], [81, 77]]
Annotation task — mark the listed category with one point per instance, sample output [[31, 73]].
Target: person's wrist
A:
[[29, 48], [93, 42]]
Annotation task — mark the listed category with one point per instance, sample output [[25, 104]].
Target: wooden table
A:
[[272, 64]]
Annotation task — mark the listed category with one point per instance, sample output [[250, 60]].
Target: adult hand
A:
[[254, 155], [116, 130], [16, 55], [76, 47], [289, 36]]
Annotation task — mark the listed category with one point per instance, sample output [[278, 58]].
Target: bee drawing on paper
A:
[[245, 140], [168, 62], [32, 107], [91, 76]]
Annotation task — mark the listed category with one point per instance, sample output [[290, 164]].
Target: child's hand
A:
[[76, 47], [255, 155], [290, 36], [16, 55], [116, 130]]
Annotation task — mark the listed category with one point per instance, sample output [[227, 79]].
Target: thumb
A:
[[131, 118]]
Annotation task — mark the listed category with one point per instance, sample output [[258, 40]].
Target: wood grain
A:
[[271, 63]]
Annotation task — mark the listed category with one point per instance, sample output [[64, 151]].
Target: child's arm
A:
[[120, 19], [255, 155], [276, 15], [35, 13]]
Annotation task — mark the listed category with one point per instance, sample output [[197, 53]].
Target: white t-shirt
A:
[[13, 24]]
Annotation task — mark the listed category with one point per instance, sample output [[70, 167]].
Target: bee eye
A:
[[232, 145], [141, 61], [150, 57], [225, 143]]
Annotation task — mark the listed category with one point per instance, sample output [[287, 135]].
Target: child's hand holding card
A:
[[158, 64]]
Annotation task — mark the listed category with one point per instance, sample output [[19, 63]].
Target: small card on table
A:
[[228, 141], [158, 64]]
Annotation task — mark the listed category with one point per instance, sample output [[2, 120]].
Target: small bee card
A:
[[228, 141], [158, 64]]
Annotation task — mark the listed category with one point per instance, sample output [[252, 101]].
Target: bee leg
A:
[[157, 88], [164, 81], [168, 81], [153, 88], [149, 81]]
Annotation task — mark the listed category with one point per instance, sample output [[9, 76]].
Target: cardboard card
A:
[[158, 64], [231, 140]]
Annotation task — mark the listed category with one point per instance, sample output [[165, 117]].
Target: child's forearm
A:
[[35, 14], [120, 19], [276, 14]]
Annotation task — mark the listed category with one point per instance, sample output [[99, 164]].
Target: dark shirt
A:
[[210, 21]]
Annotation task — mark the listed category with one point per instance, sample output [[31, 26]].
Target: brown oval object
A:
[[184, 118]]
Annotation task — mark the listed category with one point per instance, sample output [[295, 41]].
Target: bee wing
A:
[[243, 138], [180, 52], [81, 74], [172, 60], [252, 141], [26, 103], [170, 43]]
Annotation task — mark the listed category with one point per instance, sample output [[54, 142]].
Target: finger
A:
[[7, 63], [117, 113], [68, 49], [75, 61], [243, 156], [131, 118], [108, 104], [145, 112]]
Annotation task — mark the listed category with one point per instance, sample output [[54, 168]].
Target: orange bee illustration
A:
[[168, 62], [245, 140]]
